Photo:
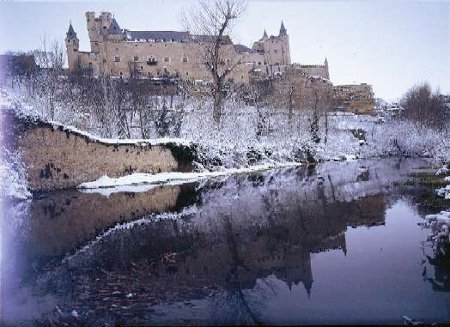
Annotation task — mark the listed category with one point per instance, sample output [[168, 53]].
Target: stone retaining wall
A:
[[56, 158]]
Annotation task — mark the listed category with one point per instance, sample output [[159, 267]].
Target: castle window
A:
[[275, 51], [136, 58], [151, 61], [104, 61], [185, 59], [116, 59], [187, 73], [166, 59]]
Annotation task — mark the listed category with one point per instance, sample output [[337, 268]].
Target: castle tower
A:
[[93, 31], [265, 35], [72, 44], [327, 72], [285, 52]]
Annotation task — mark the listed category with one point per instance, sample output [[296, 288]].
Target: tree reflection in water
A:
[[227, 250]]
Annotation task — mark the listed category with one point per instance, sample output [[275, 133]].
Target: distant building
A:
[[121, 52], [154, 54]]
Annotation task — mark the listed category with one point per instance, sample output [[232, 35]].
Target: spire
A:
[[71, 32], [326, 62], [265, 34], [283, 30]]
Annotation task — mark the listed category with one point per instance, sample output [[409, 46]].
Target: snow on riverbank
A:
[[142, 182], [440, 226], [444, 192], [113, 141]]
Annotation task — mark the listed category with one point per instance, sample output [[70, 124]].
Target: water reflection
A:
[[235, 245]]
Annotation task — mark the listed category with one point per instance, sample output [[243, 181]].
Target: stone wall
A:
[[56, 158], [297, 89], [358, 99]]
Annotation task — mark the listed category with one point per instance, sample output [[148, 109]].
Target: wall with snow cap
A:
[[58, 157]]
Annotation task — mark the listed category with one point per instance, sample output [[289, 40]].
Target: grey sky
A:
[[391, 45]]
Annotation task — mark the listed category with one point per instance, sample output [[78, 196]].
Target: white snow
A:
[[439, 224], [141, 182], [444, 192], [443, 170], [142, 142]]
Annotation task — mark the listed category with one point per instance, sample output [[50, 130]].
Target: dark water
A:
[[338, 244]]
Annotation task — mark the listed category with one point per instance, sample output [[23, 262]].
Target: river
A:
[[337, 244]]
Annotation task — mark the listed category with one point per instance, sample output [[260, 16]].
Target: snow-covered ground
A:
[[439, 225], [444, 192], [248, 138]]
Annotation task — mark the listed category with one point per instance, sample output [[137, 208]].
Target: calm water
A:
[[338, 244]]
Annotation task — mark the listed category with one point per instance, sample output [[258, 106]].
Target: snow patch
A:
[[141, 182], [440, 225], [141, 142]]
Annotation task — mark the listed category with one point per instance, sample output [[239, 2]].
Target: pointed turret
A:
[[325, 62], [265, 35], [283, 30], [71, 32], [308, 287], [72, 44]]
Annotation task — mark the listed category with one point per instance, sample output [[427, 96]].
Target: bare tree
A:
[[211, 22], [421, 105]]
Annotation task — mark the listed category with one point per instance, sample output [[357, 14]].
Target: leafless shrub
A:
[[423, 106]]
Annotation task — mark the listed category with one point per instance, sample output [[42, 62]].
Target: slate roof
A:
[[211, 38], [114, 28], [283, 30], [71, 32], [240, 48], [165, 36]]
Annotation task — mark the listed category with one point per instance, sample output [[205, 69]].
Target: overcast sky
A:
[[391, 45]]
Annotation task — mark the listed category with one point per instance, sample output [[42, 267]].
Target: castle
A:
[[125, 53], [122, 52]]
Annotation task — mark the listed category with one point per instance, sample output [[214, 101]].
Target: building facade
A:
[[126, 53], [121, 52]]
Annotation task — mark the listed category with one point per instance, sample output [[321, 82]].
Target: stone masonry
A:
[[56, 158]]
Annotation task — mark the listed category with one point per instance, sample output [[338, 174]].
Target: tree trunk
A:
[[217, 109]]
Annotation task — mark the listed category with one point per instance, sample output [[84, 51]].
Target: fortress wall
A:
[[299, 90], [358, 99], [316, 70], [55, 158]]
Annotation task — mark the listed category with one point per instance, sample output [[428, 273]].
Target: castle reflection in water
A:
[[124, 253]]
